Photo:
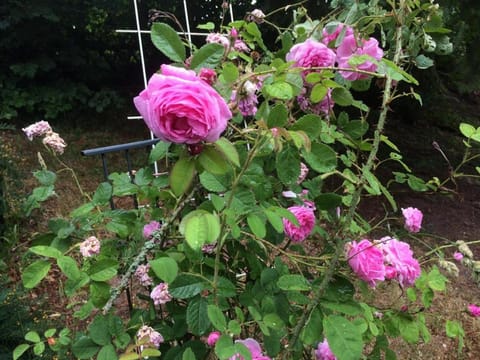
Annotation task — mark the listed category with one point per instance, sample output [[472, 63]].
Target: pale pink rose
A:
[[154, 337], [255, 350], [239, 45], [323, 351], [150, 228], [54, 142], [330, 33], [350, 47], [366, 261], [474, 310], [142, 275], [90, 247], [180, 107], [458, 256], [39, 128], [413, 219], [217, 38], [306, 219], [311, 53], [213, 338], [399, 256], [208, 75], [160, 294], [257, 16]]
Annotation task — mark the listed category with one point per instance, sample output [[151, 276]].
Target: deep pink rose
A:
[[213, 338], [311, 53], [413, 219], [331, 32], [323, 351], [255, 350], [350, 47], [179, 107], [366, 260], [306, 219], [458, 256], [474, 310], [399, 256]]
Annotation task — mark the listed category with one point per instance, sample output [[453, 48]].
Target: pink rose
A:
[[208, 75], [349, 47], [154, 337], [39, 128], [366, 261], [160, 294], [255, 350], [213, 338], [90, 247], [399, 256], [413, 219], [458, 256], [150, 228], [323, 351], [474, 310], [311, 53], [330, 33], [180, 107], [306, 220], [217, 38]]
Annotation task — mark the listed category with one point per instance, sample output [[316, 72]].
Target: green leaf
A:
[[32, 336], [278, 116], [467, 130], [188, 354], [312, 332], [39, 348], [454, 329], [42, 193], [185, 286], [230, 72], [344, 338], [348, 308], [228, 150], [274, 219], [82, 210], [257, 225], [211, 182], [103, 270], [159, 151], [374, 184], [197, 316], [342, 96], [273, 321], [166, 39], [224, 348], [148, 352], [181, 176], [99, 293], [436, 281], [69, 267], [45, 177], [49, 332], [103, 194], [311, 124], [34, 273], [280, 90], [217, 318], [321, 158], [84, 348], [213, 161], [318, 93], [19, 350], [47, 251], [165, 268], [288, 165], [73, 284], [328, 201], [293, 283], [200, 228], [98, 330], [356, 128], [208, 56], [423, 62], [107, 353]]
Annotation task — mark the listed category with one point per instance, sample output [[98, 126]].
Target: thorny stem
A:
[[340, 237], [149, 245]]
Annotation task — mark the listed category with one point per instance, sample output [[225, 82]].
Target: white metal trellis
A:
[[139, 32]]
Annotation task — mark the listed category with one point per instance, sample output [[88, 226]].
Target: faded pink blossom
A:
[[474, 310], [255, 350], [399, 256], [323, 351], [324, 106], [160, 294], [213, 338], [306, 219], [331, 32], [246, 98], [366, 261], [311, 53], [179, 107], [239, 45], [413, 219], [54, 142], [208, 75], [256, 16], [90, 247], [458, 256], [349, 48], [142, 275], [150, 228], [303, 173], [39, 128], [154, 337], [217, 38]]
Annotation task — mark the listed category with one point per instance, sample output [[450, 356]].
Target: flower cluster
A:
[[385, 259], [90, 247], [153, 337], [51, 139], [142, 275]]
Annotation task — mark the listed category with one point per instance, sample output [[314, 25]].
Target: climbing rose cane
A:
[[180, 107], [413, 219], [366, 261]]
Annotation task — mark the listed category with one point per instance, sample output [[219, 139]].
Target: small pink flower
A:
[[311, 53], [150, 228], [90, 247], [413, 219], [208, 75], [160, 294], [474, 310], [306, 219], [399, 258], [213, 338], [458, 256], [39, 128], [233, 33], [366, 261], [142, 275], [154, 337], [217, 38], [323, 351], [255, 350]]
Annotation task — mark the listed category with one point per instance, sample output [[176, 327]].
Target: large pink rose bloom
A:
[[400, 261], [306, 219], [255, 350], [311, 53], [179, 107], [413, 219], [351, 46], [366, 261]]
